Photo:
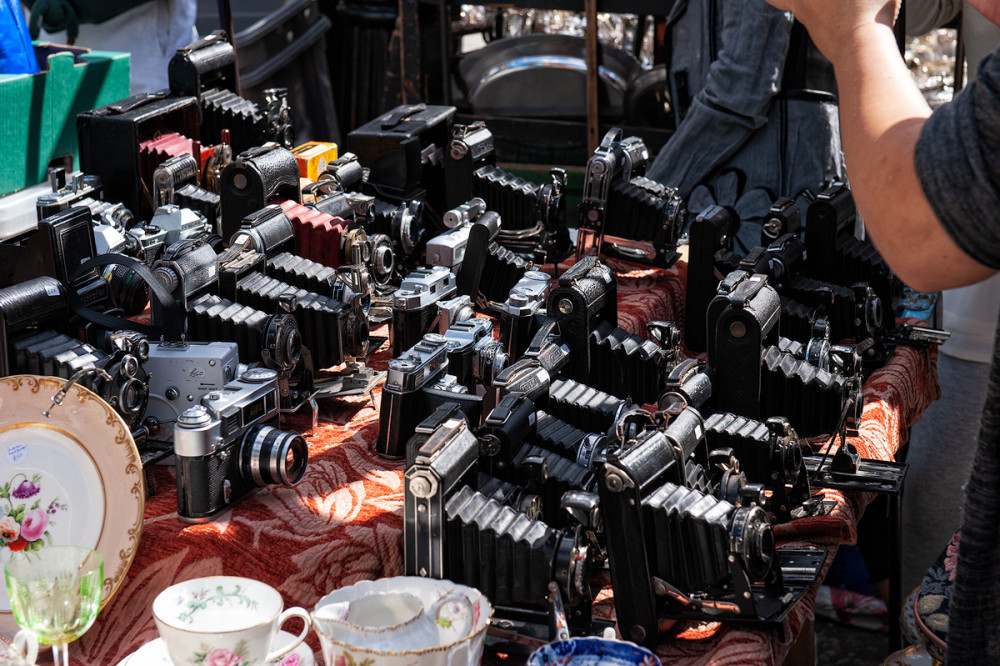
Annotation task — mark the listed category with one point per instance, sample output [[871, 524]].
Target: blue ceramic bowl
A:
[[591, 652]]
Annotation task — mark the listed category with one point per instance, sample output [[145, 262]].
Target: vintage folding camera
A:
[[60, 244], [58, 355], [206, 70], [544, 360], [519, 316], [344, 174], [586, 295], [418, 382], [632, 217], [769, 454], [448, 249], [507, 427], [836, 255], [488, 271], [112, 139], [422, 303], [189, 271], [677, 552], [588, 450], [181, 373], [626, 365], [615, 159], [474, 357], [783, 218], [257, 177], [534, 216], [333, 327], [453, 531], [756, 377], [710, 246], [742, 320], [225, 447]]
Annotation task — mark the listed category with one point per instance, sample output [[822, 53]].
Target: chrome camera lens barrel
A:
[[270, 456]]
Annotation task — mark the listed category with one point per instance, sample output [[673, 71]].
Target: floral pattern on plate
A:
[[24, 526]]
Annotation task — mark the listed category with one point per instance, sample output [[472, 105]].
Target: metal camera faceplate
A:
[[424, 287], [527, 296], [448, 249], [250, 399], [421, 363], [179, 223], [181, 373]]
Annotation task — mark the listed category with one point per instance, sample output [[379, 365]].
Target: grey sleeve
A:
[[736, 98], [958, 164], [925, 15]]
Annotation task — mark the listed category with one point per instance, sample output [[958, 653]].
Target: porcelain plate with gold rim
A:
[[72, 478]]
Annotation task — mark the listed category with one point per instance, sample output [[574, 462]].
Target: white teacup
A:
[[449, 631], [219, 617], [393, 620]]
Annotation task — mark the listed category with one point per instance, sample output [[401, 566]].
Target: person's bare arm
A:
[[882, 113]]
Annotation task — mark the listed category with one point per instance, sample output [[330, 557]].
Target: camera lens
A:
[[127, 290], [130, 366], [271, 456], [284, 342], [752, 538], [132, 397], [357, 339]]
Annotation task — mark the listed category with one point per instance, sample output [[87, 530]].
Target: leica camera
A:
[[225, 448]]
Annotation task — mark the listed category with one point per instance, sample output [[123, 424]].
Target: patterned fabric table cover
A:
[[343, 522]]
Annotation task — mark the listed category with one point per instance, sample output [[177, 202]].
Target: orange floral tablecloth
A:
[[343, 522]]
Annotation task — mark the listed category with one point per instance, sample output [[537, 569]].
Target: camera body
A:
[[417, 383], [61, 243], [710, 244], [416, 306], [489, 271], [224, 448], [586, 295], [181, 373], [518, 316], [615, 159], [742, 320], [453, 530], [112, 138], [474, 357], [257, 177]]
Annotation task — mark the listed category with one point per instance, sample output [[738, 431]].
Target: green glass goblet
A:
[[55, 592]]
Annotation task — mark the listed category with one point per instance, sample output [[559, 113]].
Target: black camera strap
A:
[[174, 317]]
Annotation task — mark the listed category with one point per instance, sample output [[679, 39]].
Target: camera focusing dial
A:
[[752, 540]]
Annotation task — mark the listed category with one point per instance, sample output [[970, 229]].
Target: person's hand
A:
[[837, 26]]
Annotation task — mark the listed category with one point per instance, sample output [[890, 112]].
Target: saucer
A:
[[154, 653]]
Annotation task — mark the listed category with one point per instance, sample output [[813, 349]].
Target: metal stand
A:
[[886, 478]]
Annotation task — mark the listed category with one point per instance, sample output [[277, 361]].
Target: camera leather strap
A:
[[174, 316]]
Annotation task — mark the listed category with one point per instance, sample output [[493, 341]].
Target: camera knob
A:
[[193, 417]]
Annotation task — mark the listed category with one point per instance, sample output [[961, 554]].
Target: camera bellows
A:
[[320, 319], [273, 340], [625, 365], [303, 273], [513, 197], [683, 521], [809, 397], [590, 409], [642, 209], [502, 552]]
